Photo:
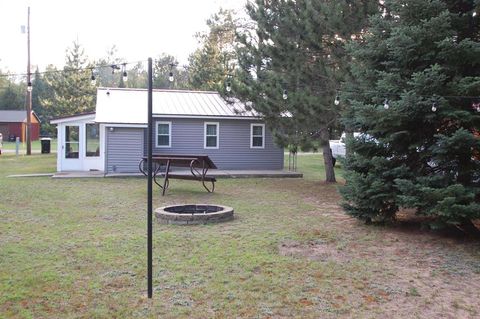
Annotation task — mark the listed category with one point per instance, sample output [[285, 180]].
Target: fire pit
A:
[[194, 214]]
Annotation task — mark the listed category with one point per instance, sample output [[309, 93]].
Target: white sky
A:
[[139, 28]]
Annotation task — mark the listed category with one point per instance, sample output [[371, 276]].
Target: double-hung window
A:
[[164, 134], [257, 136], [211, 135]]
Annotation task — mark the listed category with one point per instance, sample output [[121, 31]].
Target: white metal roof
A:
[[130, 105]]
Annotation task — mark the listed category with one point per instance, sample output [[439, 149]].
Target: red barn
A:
[[14, 124]]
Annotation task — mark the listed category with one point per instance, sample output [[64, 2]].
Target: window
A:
[[164, 133], [92, 140], [211, 135], [71, 141], [257, 132]]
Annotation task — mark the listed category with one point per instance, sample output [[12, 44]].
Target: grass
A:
[[77, 249], [36, 146]]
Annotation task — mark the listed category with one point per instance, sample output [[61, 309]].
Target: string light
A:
[[229, 86], [285, 95], [114, 67], [474, 14], [170, 75], [386, 106], [29, 87], [93, 80], [337, 100], [434, 107], [125, 75]]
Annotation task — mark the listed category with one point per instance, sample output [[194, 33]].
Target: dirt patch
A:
[[315, 250], [411, 273]]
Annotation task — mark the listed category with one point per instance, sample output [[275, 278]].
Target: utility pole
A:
[[29, 92]]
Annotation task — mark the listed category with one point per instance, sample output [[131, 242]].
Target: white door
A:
[[71, 155]]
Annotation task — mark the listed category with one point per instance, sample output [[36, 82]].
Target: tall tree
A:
[[12, 95], [213, 60], [166, 66], [72, 90], [41, 91], [291, 64], [414, 73]]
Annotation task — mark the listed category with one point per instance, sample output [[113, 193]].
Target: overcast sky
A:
[[139, 29]]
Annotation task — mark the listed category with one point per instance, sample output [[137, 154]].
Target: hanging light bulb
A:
[[125, 75], [170, 77], [434, 107], [93, 80], [229, 86], [386, 106], [337, 100], [113, 66], [474, 14], [29, 87], [285, 95]]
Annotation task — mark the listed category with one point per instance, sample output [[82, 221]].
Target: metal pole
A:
[[29, 93], [149, 183]]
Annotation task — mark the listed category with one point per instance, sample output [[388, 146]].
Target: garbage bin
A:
[[45, 142]]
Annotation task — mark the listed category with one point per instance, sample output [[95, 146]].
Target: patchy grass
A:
[[77, 249], [36, 146]]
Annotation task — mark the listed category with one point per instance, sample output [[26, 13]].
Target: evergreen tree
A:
[[164, 66], [292, 63], [12, 95], [41, 91], [72, 90], [413, 73], [210, 63]]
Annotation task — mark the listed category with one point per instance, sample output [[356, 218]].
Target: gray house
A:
[[113, 139]]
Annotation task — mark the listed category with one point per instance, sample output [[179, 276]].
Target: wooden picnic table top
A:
[[183, 159]]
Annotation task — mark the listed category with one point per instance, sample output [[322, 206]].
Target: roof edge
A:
[[155, 90], [61, 118]]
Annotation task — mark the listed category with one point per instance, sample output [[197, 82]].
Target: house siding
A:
[[234, 150], [124, 148]]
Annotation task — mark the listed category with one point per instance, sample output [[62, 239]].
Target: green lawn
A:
[[77, 249], [36, 146]]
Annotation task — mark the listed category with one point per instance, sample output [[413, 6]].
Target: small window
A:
[[164, 133], [92, 140], [257, 139], [211, 135]]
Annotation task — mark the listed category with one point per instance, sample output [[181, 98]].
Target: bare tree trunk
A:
[[327, 157]]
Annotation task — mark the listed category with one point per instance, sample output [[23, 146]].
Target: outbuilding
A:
[[13, 124], [114, 138]]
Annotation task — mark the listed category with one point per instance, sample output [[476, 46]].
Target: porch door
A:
[[93, 147], [71, 148]]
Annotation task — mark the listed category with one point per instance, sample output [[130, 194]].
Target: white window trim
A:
[[169, 134], [251, 135], [205, 135]]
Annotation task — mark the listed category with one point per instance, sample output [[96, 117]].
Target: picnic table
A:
[[198, 164]]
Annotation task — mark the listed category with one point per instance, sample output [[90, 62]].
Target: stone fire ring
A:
[[194, 214]]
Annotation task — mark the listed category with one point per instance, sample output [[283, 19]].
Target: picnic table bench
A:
[[198, 164]]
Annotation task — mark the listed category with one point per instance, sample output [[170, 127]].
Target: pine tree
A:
[[292, 63], [40, 92], [413, 73], [212, 61], [166, 65], [72, 89]]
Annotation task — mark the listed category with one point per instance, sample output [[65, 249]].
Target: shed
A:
[[114, 138], [13, 123]]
